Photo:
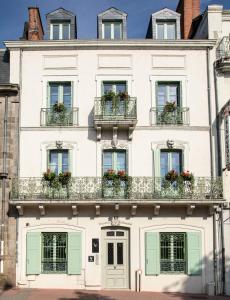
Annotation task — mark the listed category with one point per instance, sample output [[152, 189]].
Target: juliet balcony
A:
[[175, 116], [129, 189], [115, 111], [223, 55], [59, 116]]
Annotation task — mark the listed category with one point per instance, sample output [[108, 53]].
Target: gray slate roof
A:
[[4, 67]]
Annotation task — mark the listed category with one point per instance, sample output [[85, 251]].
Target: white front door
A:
[[115, 258]]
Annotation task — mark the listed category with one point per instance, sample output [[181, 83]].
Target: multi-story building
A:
[[116, 172], [9, 134], [214, 24]]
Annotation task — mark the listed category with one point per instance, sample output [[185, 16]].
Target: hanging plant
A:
[[123, 95], [64, 178], [172, 176], [108, 96], [187, 176], [59, 107], [170, 107]]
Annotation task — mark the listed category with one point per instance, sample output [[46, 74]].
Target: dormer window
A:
[[112, 30], [166, 30], [60, 31]]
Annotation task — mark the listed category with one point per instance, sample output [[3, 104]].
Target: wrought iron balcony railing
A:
[[138, 188], [180, 116], [115, 108], [223, 49], [68, 117]]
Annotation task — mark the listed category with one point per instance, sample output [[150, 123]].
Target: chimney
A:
[[35, 28], [189, 10]]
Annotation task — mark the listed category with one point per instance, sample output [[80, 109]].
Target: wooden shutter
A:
[[152, 253], [33, 253], [194, 253], [74, 253]]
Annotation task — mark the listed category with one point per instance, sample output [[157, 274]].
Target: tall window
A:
[[112, 30], [172, 252], [58, 161], [166, 30], [60, 92], [115, 160], [168, 92], [60, 31], [54, 252], [170, 160]]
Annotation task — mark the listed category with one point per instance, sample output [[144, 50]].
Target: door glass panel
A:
[[67, 94], [120, 253], [110, 233], [173, 93], [171, 31], [53, 159], [107, 87], [53, 93], [65, 31], [164, 163], [120, 233], [56, 31], [121, 161], [117, 30], [161, 95], [107, 30], [65, 161], [160, 31], [110, 253], [176, 161], [107, 161], [120, 87]]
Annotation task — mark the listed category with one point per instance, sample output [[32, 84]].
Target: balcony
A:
[[66, 117], [136, 189], [115, 112], [223, 55], [178, 116]]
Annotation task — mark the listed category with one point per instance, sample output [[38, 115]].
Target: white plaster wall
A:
[[58, 219]]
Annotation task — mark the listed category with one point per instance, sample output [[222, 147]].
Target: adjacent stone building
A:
[[9, 136]]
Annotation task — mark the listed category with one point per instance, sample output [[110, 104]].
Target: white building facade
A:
[[116, 187]]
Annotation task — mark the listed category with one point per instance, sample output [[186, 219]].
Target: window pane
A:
[[161, 94], [121, 161], [173, 90], [160, 31], [120, 87], [65, 31], [67, 94], [117, 30], [53, 93], [107, 30], [176, 161], [107, 161], [56, 32], [120, 253], [65, 161], [107, 87], [164, 163], [171, 31], [53, 161], [110, 254]]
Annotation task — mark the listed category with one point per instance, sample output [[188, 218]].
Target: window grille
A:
[[54, 252], [173, 253]]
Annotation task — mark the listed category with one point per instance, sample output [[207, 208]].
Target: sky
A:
[[13, 14]]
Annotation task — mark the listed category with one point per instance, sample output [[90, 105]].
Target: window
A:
[[112, 30], [60, 92], [115, 160], [172, 252], [170, 160], [58, 161], [54, 252], [168, 92], [166, 30], [60, 31]]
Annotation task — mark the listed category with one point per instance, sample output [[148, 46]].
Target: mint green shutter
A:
[[152, 253], [194, 253], [74, 253], [33, 253]]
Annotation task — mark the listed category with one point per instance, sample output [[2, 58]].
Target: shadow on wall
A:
[[207, 271]]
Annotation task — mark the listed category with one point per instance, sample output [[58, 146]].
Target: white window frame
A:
[[111, 29], [114, 159], [60, 30], [59, 159], [169, 151], [165, 23], [167, 84]]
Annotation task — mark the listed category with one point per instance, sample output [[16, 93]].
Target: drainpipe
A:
[[218, 137], [222, 252], [209, 109], [215, 254]]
